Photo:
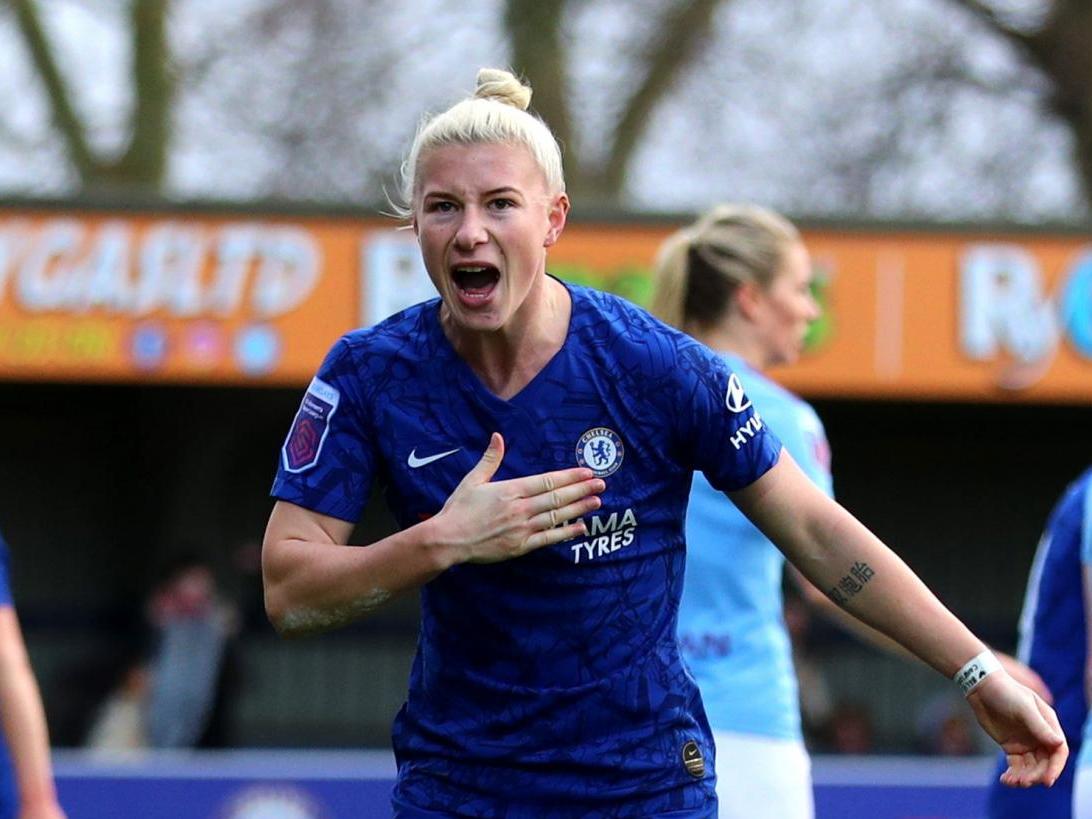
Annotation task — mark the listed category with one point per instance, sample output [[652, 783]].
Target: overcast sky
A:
[[818, 107]]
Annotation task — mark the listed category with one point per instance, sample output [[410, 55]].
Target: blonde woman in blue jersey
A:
[[537, 442]]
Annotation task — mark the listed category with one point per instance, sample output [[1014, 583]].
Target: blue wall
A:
[[356, 785]]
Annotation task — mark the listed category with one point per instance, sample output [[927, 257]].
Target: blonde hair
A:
[[496, 114], [700, 267]]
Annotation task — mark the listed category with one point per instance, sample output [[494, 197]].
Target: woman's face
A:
[[787, 308], [484, 217]]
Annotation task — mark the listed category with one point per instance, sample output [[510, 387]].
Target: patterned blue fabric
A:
[[550, 685], [1053, 642], [731, 624]]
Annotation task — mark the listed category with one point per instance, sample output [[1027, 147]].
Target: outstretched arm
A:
[[832, 611], [314, 582], [859, 573], [24, 724]]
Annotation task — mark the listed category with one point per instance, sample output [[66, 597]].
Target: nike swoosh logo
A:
[[416, 463]]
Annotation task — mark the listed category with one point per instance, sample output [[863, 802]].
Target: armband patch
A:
[[310, 427]]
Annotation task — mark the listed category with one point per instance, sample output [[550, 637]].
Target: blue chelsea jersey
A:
[[548, 685], [1053, 641]]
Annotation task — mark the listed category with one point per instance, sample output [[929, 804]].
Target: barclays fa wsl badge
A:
[[600, 450], [692, 759]]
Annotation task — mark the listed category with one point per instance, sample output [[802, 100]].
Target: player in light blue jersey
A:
[[739, 280], [548, 681], [1054, 641], [26, 775]]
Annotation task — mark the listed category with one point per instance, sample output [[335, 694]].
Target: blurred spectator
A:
[[850, 729], [120, 723], [80, 687], [196, 627]]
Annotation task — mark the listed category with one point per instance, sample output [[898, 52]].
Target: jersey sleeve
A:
[[721, 432], [329, 459], [1086, 523]]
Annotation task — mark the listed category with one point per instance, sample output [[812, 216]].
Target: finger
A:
[[551, 517], [490, 462], [1051, 719], [548, 537], [1021, 770], [1034, 768], [1039, 732], [564, 495], [1057, 754], [546, 482], [1043, 725], [1055, 764]]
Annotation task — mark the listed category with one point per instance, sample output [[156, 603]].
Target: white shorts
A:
[[1082, 792], [762, 776]]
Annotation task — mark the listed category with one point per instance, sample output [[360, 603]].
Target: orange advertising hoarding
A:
[[206, 298]]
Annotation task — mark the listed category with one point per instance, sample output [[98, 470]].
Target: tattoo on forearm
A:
[[859, 574]]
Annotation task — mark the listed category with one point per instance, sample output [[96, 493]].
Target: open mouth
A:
[[475, 282]]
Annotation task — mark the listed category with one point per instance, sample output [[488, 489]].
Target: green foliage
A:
[[820, 330], [630, 282]]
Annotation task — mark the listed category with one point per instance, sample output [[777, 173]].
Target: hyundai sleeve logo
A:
[[735, 399]]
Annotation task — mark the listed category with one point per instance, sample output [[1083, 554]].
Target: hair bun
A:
[[503, 86]]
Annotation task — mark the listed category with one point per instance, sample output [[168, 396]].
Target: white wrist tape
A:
[[975, 671]]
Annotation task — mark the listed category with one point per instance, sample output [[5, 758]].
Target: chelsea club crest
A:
[[600, 450]]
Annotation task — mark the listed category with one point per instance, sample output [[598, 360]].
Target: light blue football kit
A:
[[9, 801], [731, 624], [550, 685], [1053, 641]]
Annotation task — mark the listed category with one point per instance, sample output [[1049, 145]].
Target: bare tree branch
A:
[[1060, 49], [1027, 43], [534, 29], [64, 114], [685, 29], [145, 159]]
